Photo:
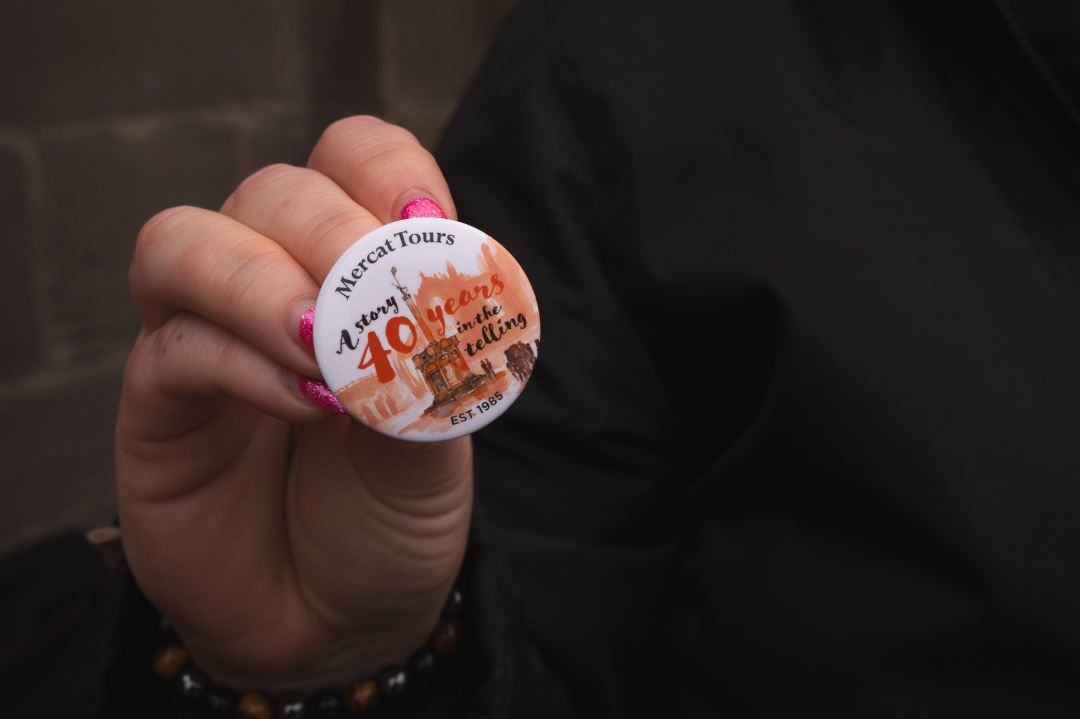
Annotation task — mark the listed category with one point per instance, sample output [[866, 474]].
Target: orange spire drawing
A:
[[412, 307]]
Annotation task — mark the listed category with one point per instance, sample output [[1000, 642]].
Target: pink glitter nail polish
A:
[[320, 394], [422, 207], [307, 329]]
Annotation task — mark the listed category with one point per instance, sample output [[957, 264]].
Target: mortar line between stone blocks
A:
[[230, 115], [44, 330], [55, 378]]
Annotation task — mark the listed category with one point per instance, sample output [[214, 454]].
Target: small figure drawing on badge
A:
[[520, 360]]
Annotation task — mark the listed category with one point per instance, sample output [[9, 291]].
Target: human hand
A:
[[292, 548]]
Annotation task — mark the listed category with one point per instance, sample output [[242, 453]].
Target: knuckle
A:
[[172, 329], [169, 335], [244, 277], [351, 127], [363, 136], [158, 228], [154, 235], [395, 156], [230, 351], [257, 184], [139, 361], [152, 347]]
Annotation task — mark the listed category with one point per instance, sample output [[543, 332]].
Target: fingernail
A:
[[422, 207], [307, 329], [301, 320], [320, 394]]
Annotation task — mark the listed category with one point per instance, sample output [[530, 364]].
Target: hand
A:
[[291, 547]]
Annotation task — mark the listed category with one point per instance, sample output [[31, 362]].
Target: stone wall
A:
[[111, 111]]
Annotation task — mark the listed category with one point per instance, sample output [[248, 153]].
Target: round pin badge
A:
[[426, 329]]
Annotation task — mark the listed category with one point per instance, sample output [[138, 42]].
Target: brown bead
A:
[[448, 637], [361, 697], [170, 659], [254, 706]]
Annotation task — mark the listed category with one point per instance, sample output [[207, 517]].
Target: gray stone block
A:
[[58, 469], [18, 345], [431, 49], [101, 187], [430, 52], [282, 137], [71, 60], [343, 52]]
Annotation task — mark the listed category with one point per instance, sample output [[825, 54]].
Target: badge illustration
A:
[[426, 329]]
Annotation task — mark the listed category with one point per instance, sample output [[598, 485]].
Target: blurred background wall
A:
[[114, 110]]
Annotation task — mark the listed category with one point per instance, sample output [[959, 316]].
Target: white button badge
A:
[[426, 329]]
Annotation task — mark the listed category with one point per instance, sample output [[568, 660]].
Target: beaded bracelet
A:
[[392, 688]]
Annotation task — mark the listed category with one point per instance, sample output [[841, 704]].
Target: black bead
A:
[[454, 603], [326, 704], [165, 627], [394, 684], [448, 638], [191, 684], [291, 706], [422, 665], [220, 702]]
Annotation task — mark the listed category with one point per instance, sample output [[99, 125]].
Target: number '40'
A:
[[375, 355]]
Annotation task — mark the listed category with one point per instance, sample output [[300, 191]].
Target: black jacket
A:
[[804, 433]]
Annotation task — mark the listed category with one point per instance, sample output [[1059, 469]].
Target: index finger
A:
[[381, 166]]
